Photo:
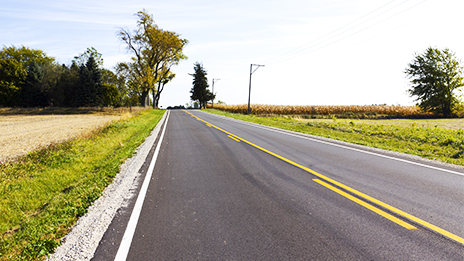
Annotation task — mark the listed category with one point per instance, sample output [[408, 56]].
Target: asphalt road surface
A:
[[228, 190]]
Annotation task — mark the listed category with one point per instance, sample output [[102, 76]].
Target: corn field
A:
[[320, 110]]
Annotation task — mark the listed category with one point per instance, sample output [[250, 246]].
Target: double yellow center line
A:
[[348, 192]]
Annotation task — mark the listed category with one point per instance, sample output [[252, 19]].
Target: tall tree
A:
[[435, 77], [51, 83], [154, 49], [90, 92], [67, 87], [129, 84], [32, 93], [200, 91]]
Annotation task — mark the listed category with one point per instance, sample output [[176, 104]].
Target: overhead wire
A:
[[315, 47], [312, 42], [366, 28], [304, 49], [385, 20]]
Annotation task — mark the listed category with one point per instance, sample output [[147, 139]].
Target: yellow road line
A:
[[232, 137], [358, 193], [366, 205]]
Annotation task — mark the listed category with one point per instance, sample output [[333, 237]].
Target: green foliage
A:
[[435, 77], [25, 55], [14, 62], [12, 77], [29, 78], [64, 92], [90, 91], [82, 58], [32, 93], [200, 91], [156, 51], [39, 248], [128, 84], [111, 95]]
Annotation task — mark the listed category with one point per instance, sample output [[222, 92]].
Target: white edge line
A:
[[126, 241], [337, 145]]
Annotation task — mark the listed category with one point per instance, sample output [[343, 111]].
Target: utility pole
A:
[[212, 105], [249, 92]]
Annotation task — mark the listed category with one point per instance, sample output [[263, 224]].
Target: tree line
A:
[[30, 78]]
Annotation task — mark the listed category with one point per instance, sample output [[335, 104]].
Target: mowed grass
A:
[[43, 194], [438, 139]]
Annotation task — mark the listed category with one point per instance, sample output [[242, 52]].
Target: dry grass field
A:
[[26, 130], [262, 109], [21, 134]]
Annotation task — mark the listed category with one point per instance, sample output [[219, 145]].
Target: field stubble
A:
[[26, 130], [318, 110]]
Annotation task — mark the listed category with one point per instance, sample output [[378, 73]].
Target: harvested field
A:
[[21, 134], [260, 109]]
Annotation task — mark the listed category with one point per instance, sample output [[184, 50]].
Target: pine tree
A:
[[90, 91], [200, 91], [83, 97], [97, 82], [32, 94]]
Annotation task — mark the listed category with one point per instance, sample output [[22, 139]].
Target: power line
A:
[[303, 46], [393, 29], [294, 53], [358, 31]]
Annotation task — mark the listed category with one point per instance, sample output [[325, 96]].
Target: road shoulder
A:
[[84, 238]]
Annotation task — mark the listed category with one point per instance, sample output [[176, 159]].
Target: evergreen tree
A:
[[200, 91], [67, 87], [83, 96], [90, 91], [96, 82], [32, 93]]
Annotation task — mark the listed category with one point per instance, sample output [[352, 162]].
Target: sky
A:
[[331, 52]]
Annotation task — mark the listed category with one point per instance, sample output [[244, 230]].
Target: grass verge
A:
[[406, 136], [44, 193]]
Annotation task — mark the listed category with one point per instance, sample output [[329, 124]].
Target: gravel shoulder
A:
[[83, 240]]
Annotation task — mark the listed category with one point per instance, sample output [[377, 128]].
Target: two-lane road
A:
[[228, 190]]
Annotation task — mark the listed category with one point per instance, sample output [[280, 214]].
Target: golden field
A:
[[21, 134], [259, 109], [23, 130]]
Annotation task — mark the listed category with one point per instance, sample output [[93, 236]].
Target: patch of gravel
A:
[[83, 240]]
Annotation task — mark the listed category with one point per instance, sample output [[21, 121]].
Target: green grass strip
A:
[[43, 194], [436, 143]]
